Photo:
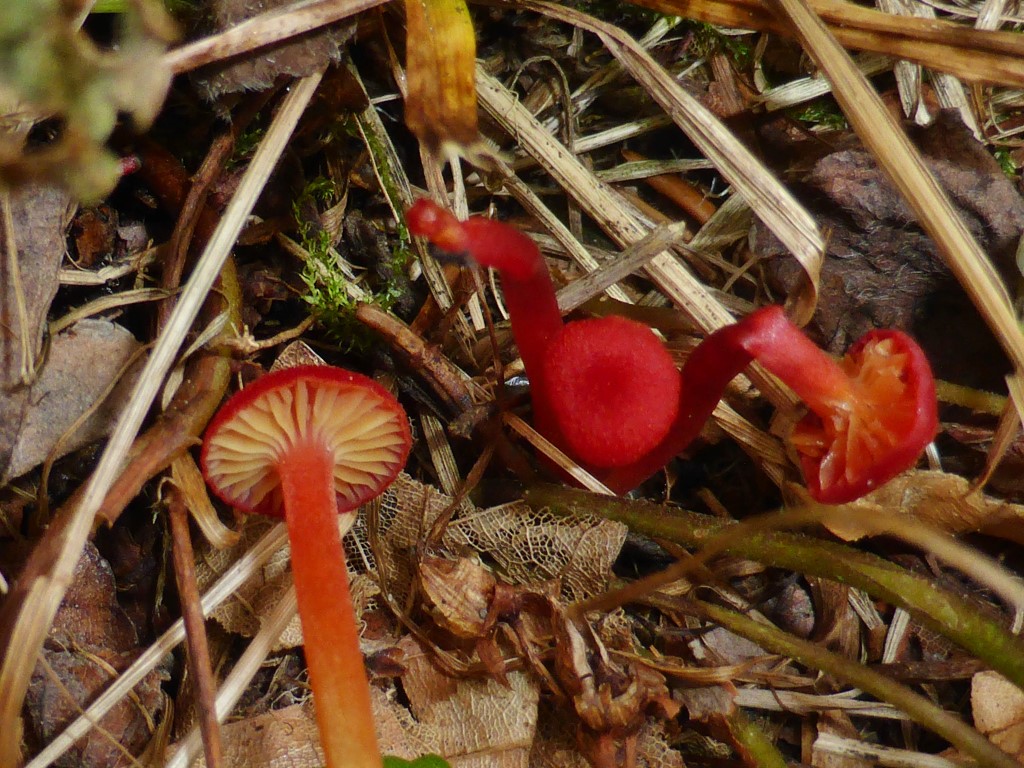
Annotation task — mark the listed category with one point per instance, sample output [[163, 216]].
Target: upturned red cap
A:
[[876, 431]]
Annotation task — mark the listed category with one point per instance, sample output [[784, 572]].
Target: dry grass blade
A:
[[805, 89], [598, 200], [241, 674], [550, 451], [105, 304], [633, 258], [390, 172], [884, 138], [859, 750], [441, 454], [265, 29], [945, 46], [770, 200], [29, 610], [601, 203], [532, 203], [801, 703]]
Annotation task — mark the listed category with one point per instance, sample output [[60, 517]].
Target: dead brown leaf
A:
[[942, 500], [84, 361], [440, 106], [39, 216], [91, 641], [882, 270], [479, 722], [998, 707]]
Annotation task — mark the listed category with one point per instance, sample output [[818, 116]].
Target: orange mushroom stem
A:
[[309, 443]]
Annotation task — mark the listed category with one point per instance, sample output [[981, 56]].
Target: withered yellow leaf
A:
[[440, 106]]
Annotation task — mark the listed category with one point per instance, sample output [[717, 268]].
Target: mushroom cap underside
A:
[[321, 407]]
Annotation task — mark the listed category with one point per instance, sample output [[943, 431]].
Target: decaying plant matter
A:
[[468, 616]]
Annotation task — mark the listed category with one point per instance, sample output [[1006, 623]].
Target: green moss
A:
[[246, 145], [822, 114], [709, 39], [328, 288], [1005, 159]]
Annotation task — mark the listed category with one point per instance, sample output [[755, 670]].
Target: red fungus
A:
[[307, 443], [604, 394], [526, 285], [568, 408], [609, 415], [869, 416]]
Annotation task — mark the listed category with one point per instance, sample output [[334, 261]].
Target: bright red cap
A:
[[353, 417], [614, 389]]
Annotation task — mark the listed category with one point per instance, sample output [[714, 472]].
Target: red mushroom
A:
[[586, 409], [607, 414], [603, 392], [870, 415], [308, 443]]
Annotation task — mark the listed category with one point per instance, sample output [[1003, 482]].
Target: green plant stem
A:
[[942, 611], [751, 738], [920, 709]]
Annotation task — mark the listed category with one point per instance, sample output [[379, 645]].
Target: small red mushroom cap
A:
[[616, 389], [352, 416]]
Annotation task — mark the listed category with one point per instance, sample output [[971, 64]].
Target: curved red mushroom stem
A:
[[525, 282], [308, 443]]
